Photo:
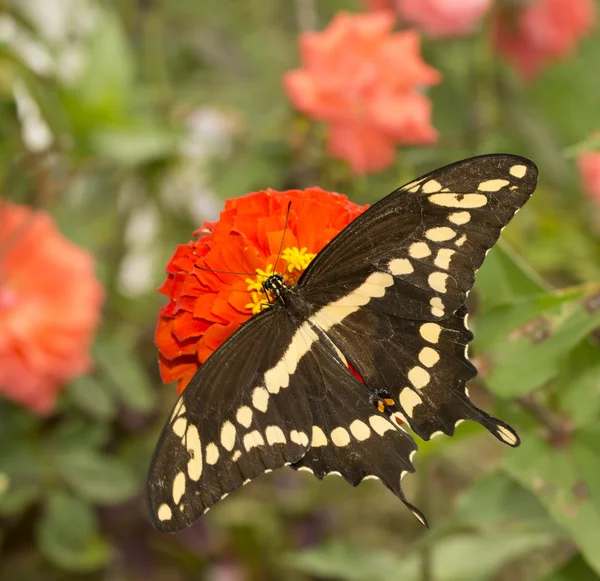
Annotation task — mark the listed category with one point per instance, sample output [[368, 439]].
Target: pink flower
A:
[[366, 83], [589, 171], [49, 308], [443, 17], [380, 4], [542, 31]]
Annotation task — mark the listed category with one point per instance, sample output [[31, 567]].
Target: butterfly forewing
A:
[[410, 338], [237, 419]]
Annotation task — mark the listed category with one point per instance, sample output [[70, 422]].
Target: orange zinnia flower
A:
[[207, 307], [367, 83], [50, 305]]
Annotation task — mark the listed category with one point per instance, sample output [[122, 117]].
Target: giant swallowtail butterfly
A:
[[387, 294]]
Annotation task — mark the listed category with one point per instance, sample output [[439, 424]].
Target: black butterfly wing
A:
[[388, 295], [245, 412], [390, 289], [350, 436]]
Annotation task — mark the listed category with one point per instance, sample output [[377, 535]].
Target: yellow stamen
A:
[[297, 259], [258, 300]]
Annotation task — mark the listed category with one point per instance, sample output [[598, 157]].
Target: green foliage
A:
[[68, 534], [166, 109], [556, 477]]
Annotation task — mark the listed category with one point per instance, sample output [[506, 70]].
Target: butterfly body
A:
[[386, 298]]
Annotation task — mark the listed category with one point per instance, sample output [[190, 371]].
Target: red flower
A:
[[49, 308], [589, 170], [207, 307], [443, 17], [366, 83], [542, 31]]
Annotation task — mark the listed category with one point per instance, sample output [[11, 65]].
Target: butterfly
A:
[[387, 296]]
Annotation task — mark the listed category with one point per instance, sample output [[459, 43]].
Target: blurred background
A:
[[125, 124]]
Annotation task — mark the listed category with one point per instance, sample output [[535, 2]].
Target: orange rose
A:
[[207, 307], [589, 170], [366, 83], [541, 32], [49, 308]]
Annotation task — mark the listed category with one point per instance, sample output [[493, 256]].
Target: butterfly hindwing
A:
[[350, 436]]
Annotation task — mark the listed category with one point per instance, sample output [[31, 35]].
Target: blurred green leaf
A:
[[497, 326], [565, 92], [554, 477], [505, 278], [529, 344], [579, 384], [128, 378], [97, 477], [92, 396], [586, 452], [76, 433], [68, 534], [16, 423], [497, 501], [21, 477], [103, 93], [575, 570], [134, 145], [452, 558]]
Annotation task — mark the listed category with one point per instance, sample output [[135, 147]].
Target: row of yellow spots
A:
[[418, 376], [297, 261]]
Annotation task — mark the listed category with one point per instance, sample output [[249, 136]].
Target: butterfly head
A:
[[275, 284]]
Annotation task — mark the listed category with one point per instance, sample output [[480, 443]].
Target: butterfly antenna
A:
[[287, 216]]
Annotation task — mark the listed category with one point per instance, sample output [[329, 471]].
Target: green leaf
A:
[[497, 501], [452, 558], [554, 477], [16, 496], [586, 451], [76, 434], [339, 561], [565, 92], [21, 477], [128, 378], [575, 570], [16, 423], [68, 534], [96, 477], [133, 145], [103, 94], [504, 278], [92, 396], [579, 384], [527, 355]]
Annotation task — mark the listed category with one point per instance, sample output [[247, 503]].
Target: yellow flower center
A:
[[297, 260]]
